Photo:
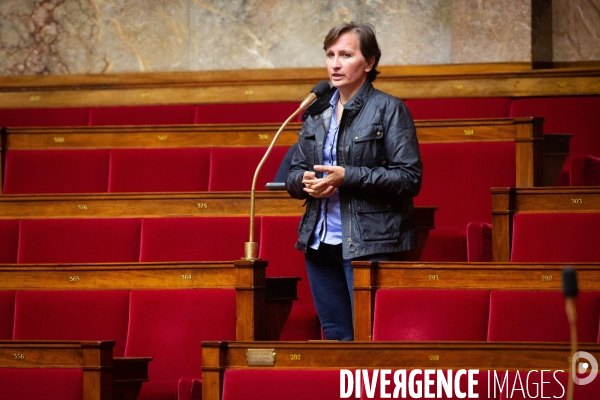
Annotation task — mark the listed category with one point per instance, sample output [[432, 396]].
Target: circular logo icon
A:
[[580, 366]]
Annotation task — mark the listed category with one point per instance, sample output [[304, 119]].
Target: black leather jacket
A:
[[378, 147]]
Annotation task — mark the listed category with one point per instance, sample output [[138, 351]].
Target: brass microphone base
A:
[[250, 251]]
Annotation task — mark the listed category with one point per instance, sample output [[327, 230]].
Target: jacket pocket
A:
[[378, 220], [368, 146]]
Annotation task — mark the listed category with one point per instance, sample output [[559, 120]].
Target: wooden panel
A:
[[467, 80], [101, 381], [219, 356]]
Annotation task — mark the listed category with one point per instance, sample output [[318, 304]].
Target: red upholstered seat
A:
[[458, 178], [430, 315], [7, 314], [459, 108], [15, 117], [446, 243], [278, 235], [9, 237], [279, 384], [195, 238], [159, 170], [479, 242], [245, 113], [73, 315], [143, 115], [539, 316], [169, 325], [56, 171], [100, 240], [41, 383], [565, 114], [580, 170], [555, 237], [232, 168]]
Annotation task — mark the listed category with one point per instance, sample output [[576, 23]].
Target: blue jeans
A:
[[331, 282]]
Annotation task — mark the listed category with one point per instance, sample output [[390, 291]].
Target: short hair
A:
[[366, 39]]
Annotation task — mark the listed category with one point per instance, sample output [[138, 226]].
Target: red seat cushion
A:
[[56, 171], [277, 384], [73, 315], [458, 178], [245, 113], [555, 237], [459, 108], [233, 168], [143, 115], [565, 114], [195, 238], [100, 240], [9, 237], [159, 170], [42, 383], [539, 316], [7, 314], [430, 315], [14, 117], [584, 170], [169, 325]]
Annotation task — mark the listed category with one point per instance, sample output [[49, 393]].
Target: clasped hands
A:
[[326, 186]]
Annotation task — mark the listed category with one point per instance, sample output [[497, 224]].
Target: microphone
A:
[[251, 247], [569, 280]]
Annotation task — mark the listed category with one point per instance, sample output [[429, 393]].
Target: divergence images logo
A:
[[578, 366]]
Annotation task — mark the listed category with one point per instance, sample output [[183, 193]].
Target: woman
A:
[[358, 165]]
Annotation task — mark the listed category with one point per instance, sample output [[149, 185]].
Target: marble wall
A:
[[116, 36]]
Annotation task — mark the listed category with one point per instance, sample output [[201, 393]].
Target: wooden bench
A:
[[509, 202], [369, 277], [103, 377], [221, 357]]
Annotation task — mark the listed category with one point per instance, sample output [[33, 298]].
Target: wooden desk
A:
[[371, 276], [508, 201], [104, 377]]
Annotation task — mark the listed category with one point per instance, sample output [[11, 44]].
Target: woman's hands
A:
[[326, 186]]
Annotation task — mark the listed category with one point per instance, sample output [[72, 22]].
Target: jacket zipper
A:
[[351, 246]]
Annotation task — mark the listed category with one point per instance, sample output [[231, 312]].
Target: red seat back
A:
[[169, 325], [7, 314], [15, 117], [459, 107], [275, 384], [565, 114], [417, 315], [9, 237], [195, 238], [458, 177], [96, 240], [159, 170], [539, 316], [232, 168], [73, 315], [245, 113], [56, 171], [555, 237], [42, 383], [143, 115]]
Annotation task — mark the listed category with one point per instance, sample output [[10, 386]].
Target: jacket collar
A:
[[355, 103]]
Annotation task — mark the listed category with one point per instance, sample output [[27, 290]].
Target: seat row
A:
[[564, 114]]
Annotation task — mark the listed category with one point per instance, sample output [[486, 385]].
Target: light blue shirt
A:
[[329, 225]]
